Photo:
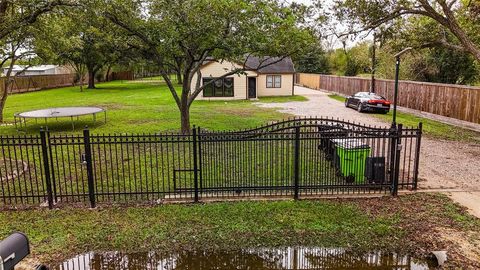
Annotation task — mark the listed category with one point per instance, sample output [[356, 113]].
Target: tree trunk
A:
[[82, 79], [185, 119], [107, 76], [179, 77], [4, 95], [469, 45], [91, 79], [451, 23]]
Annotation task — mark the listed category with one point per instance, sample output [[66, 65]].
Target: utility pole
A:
[[374, 63]]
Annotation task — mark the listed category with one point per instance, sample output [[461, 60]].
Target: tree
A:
[[16, 14], [313, 60], [461, 19], [350, 61], [14, 49], [82, 38], [16, 19], [450, 67], [193, 31]]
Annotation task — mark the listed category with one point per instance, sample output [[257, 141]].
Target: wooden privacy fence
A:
[[121, 75], [22, 84], [456, 101]]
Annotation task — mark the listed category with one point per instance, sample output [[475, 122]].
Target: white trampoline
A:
[[61, 112]]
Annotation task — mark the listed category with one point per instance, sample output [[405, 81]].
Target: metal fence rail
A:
[[295, 158]]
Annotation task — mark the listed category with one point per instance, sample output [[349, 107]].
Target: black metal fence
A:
[[297, 158]]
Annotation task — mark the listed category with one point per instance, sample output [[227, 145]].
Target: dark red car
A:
[[365, 101]]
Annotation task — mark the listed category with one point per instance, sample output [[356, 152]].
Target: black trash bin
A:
[[327, 136], [375, 170]]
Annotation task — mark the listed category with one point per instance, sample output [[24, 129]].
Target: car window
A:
[[373, 96]]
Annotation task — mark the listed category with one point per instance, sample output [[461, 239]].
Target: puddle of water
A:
[[263, 258]]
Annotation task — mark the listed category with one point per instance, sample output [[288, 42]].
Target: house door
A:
[[252, 87]]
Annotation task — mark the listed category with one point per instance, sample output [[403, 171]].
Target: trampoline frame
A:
[[22, 120]]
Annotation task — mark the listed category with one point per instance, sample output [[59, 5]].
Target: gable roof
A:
[[272, 64], [277, 65]]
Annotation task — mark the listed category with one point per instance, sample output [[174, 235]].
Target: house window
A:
[[274, 81], [219, 88]]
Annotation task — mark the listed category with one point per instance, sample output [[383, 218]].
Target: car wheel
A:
[[385, 111], [360, 107], [346, 103]]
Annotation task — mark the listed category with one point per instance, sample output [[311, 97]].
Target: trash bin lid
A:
[[351, 144]]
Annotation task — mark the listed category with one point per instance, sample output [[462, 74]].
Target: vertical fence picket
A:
[[46, 167], [195, 163], [88, 160], [199, 168], [398, 148], [296, 171], [392, 144], [417, 156]]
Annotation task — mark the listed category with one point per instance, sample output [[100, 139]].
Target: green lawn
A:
[[431, 128], [401, 224], [138, 107], [56, 235]]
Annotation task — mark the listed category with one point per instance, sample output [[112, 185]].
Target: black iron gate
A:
[[310, 156]]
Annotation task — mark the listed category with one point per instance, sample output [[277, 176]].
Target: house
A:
[[274, 78], [38, 70]]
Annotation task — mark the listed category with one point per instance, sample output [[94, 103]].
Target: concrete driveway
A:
[[445, 166]]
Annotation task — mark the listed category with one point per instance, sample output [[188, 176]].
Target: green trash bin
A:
[[352, 156]]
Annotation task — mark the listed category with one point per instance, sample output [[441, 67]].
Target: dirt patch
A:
[[236, 111], [432, 222], [468, 243], [143, 121], [113, 106], [13, 169]]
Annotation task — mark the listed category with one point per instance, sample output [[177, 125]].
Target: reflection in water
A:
[[286, 258]]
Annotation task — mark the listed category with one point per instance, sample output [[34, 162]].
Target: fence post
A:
[[46, 167], [200, 176], [88, 160], [392, 145], [296, 168], [398, 149], [417, 156], [195, 163]]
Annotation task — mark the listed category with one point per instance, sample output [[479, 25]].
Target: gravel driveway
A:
[[444, 165]]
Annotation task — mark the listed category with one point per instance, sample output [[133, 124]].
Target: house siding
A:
[[286, 88], [217, 69]]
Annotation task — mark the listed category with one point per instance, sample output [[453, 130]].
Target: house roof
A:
[[18, 68], [271, 64]]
